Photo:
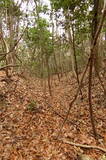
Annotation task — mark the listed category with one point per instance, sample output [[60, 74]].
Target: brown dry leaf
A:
[[32, 132]]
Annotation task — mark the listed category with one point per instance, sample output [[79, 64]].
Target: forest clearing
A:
[[52, 80]]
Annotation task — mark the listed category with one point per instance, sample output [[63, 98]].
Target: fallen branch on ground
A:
[[82, 145]]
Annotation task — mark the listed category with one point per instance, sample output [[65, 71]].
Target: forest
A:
[[52, 79]]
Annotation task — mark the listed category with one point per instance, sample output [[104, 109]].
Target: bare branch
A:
[[8, 66], [82, 145]]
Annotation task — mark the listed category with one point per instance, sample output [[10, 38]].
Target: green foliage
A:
[[69, 4], [42, 9], [41, 48], [11, 7], [40, 37], [45, 9], [39, 40], [32, 106], [77, 12], [5, 3]]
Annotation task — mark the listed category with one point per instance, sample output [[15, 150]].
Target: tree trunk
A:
[[95, 23], [67, 17], [48, 72]]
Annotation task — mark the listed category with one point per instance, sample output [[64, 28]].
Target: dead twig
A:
[[83, 145], [8, 66]]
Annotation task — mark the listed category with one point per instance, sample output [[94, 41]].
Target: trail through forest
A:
[[52, 80], [30, 119]]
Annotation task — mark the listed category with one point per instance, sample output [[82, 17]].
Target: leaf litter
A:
[[27, 134]]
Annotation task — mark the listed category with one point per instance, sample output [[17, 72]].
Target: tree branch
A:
[[82, 145], [8, 66]]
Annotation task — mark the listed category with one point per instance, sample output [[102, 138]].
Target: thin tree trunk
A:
[[48, 72], [75, 59], [95, 23], [55, 60], [67, 17], [90, 97]]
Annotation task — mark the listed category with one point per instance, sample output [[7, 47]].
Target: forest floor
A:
[[30, 119]]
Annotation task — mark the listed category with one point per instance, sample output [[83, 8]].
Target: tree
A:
[[10, 19]]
